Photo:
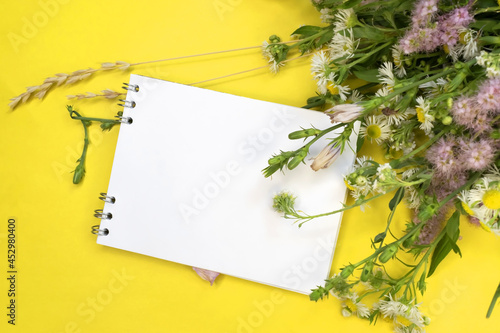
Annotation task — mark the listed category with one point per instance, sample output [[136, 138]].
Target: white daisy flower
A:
[[355, 96], [351, 306], [393, 117], [338, 89], [397, 57], [343, 45], [386, 75], [469, 49], [434, 88], [344, 19], [405, 315], [484, 200], [375, 129], [321, 70], [423, 115]]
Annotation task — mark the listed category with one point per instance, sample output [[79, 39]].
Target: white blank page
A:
[[189, 188]]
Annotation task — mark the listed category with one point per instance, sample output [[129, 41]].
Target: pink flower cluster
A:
[[453, 157], [426, 35], [433, 226], [476, 112]]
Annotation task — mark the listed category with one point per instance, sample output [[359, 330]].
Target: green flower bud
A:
[[297, 159], [316, 295], [408, 242], [388, 253], [275, 160], [449, 103], [346, 271], [303, 133], [274, 39], [447, 120], [79, 173], [428, 212], [427, 320], [367, 271]]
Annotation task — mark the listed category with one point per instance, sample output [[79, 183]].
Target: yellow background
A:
[[68, 283]]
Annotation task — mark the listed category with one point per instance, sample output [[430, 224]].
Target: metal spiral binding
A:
[[99, 232], [125, 120], [107, 198], [102, 215], [131, 87], [127, 104]]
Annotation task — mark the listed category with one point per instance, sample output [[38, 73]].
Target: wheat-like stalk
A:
[[106, 93], [41, 90], [62, 78]]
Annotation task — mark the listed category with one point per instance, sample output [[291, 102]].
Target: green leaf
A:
[[493, 301], [369, 33], [369, 75], [447, 242], [306, 31], [359, 143], [330, 2], [396, 199], [325, 38]]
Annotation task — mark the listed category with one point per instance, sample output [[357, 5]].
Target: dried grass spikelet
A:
[[41, 90], [106, 93]]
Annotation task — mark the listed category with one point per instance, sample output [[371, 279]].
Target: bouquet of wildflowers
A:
[[429, 69]]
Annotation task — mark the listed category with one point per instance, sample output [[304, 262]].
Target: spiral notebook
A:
[[187, 186]]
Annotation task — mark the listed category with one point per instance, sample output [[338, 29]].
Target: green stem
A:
[[328, 130], [453, 194], [369, 54], [102, 120], [310, 217], [423, 147], [399, 195]]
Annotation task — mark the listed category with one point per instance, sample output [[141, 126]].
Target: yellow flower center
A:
[[397, 60], [395, 153], [350, 305], [461, 37], [420, 114], [333, 89], [446, 49], [467, 209], [374, 131], [491, 199], [348, 185], [403, 321]]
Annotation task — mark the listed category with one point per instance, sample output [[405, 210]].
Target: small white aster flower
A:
[[351, 306], [470, 49], [434, 88], [343, 45], [386, 75], [321, 70], [338, 89], [375, 129], [404, 315], [393, 117], [344, 19], [355, 96], [423, 115], [273, 65], [397, 57]]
